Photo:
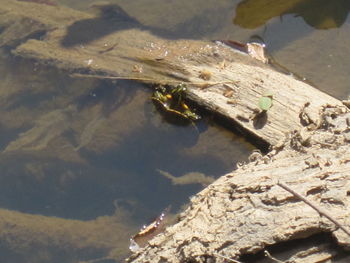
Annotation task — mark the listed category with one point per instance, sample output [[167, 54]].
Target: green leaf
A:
[[265, 103]]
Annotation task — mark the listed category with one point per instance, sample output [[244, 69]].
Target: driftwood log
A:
[[247, 210], [165, 61], [255, 211]]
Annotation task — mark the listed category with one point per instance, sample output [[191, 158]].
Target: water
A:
[[81, 149]]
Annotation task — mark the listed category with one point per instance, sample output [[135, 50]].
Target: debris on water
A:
[[255, 49], [148, 231]]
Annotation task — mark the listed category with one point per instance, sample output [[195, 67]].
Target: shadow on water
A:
[[111, 95], [320, 14], [113, 18]]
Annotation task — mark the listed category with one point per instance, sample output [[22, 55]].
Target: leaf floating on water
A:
[[47, 128]]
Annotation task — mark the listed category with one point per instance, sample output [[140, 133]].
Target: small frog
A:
[[179, 90], [171, 99], [161, 97], [188, 113]]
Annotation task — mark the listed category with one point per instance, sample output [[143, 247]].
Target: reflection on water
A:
[[329, 14], [306, 36], [111, 17]]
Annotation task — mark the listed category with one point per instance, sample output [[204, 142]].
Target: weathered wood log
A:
[[163, 61], [242, 212], [245, 211], [249, 80]]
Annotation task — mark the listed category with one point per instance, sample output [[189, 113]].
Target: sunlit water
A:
[[93, 148]]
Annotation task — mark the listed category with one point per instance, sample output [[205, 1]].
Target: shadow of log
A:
[[112, 18]]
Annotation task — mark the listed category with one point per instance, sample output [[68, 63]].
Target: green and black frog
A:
[[172, 100]]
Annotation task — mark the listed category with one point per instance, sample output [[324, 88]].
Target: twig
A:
[[314, 206], [267, 254], [210, 83], [229, 259]]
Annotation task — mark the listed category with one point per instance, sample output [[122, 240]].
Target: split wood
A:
[[314, 206]]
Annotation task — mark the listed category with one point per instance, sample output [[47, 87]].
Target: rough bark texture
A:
[[245, 211]]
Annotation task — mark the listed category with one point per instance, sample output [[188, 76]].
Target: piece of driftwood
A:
[[244, 211], [220, 79], [230, 71]]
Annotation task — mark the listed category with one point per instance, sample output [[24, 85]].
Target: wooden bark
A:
[[244, 211]]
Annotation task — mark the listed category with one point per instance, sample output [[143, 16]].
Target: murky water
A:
[[83, 149]]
